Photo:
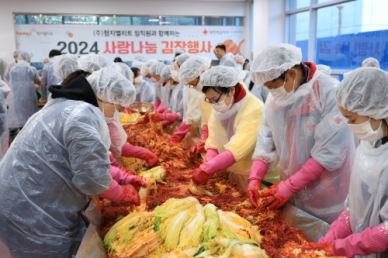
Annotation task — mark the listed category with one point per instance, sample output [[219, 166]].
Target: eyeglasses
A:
[[213, 102]]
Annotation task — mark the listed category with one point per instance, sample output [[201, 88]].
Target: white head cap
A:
[[24, 56], [230, 63], [181, 59], [166, 72], [156, 68], [65, 65], [371, 62], [146, 66], [193, 68], [222, 76], [91, 63], [126, 71], [324, 69]]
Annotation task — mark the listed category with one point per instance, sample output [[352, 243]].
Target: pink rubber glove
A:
[[156, 104], [200, 147], [281, 192], [371, 240], [116, 192], [211, 154], [128, 110], [160, 108], [120, 175], [340, 229], [140, 153], [258, 171], [179, 134], [157, 117], [167, 111], [113, 161], [219, 163]]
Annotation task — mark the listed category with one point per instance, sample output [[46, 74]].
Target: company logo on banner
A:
[[157, 42]]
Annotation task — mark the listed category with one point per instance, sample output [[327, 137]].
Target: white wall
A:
[[118, 7]]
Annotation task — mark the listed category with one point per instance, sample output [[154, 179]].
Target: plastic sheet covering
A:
[[91, 245], [313, 227]]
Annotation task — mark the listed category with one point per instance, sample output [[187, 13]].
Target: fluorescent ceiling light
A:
[[153, 20]]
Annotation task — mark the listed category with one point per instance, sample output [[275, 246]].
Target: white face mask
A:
[[175, 76], [199, 87], [138, 80], [281, 93], [221, 107], [153, 80], [240, 67], [365, 132], [171, 86]]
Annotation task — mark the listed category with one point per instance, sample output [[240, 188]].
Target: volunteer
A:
[[191, 113], [303, 129], [189, 74], [362, 227], [232, 63], [220, 52], [175, 110], [91, 63], [233, 127], [4, 135], [144, 91], [48, 77], [239, 60], [9, 67], [324, 69], [165, 92], [145, 72], [57, 163], [64, 65], [23, 102]]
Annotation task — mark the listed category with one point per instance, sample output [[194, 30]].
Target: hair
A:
[[74, 75], [283, 75], [251, 84], [221, 47], [118, 60], [136, 72], [177, 54], [54, 52], [218, 89]]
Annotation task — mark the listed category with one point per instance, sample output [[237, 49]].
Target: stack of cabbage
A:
[[183, 228]]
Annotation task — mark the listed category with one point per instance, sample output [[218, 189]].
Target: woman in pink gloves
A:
[[362, 227], [303, 129]]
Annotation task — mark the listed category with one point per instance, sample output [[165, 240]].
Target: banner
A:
[[158, 42]]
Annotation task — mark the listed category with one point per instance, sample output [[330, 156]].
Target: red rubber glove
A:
[[157, 117], [167, 123], [254, 186], [156, 104], [258, 171], [140, 153], [137, 182], [199, 148], [278, 195], [130, 195], [147, 117], [128, 110], [200, 177], [328, 248], [340, 228], [179, 134]]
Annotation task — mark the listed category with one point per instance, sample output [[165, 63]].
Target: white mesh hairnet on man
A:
[[238, 57], [230, 63], [24, 56], [181, 59], [112, 87], [355, 94], [274, 61], [140, 59], [222, 76], [166, 72], [16, 53], [146, 66], [193, 68], [371, 62], [126, 71], [324, 69], [156, 68], [65, 65], [91, 63]]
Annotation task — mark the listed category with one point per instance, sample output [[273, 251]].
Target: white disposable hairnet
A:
[[274, 61], [156, 68], [181, 59], [324, 68], [179, 51], [230, 63], [165, 74], [146, 67], [140, 59], [371, 62], [193, 68], [46, 59], [126, 71], [365, 92], [65, 65], [24, 56], [91, 63], [222, 76], [137, 64], [16, 53], [238, 57], [112, 87]]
